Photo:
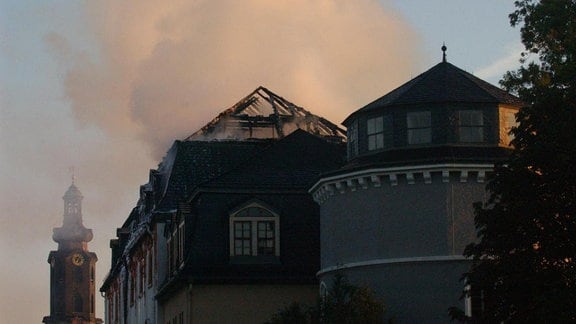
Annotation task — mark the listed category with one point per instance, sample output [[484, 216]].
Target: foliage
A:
[[343, 304], [526, 253]]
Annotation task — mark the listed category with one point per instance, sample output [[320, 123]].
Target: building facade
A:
[[72, 268], [398, 215], [263, 206], [225, 230]]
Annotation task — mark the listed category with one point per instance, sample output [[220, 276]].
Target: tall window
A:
[[181, 242], [254, 231], [353, 139], [509, 122], [266, 238], [419, 127], [375, 132], [242, 238], [471, 126]]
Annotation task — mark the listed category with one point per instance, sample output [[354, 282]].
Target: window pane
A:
[[375, 133], [419, 127], [266, 238], [471, 126], [242, 238], [375, 125]]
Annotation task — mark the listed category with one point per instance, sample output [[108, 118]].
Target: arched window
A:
[[254, 231]]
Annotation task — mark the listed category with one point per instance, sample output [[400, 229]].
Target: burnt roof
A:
[[443, 83], [263, 108]]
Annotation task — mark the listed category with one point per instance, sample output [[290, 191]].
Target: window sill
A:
[[261, 259]]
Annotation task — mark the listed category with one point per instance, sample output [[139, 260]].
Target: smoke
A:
[[166, 69], [137, 75]]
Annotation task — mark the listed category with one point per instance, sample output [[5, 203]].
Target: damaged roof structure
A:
[[264, 114]]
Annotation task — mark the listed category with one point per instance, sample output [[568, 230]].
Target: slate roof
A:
[[443, 83], [190, 163], [294, 162]]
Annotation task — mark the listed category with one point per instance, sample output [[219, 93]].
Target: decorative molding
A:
[[409, 175], [376, 262]]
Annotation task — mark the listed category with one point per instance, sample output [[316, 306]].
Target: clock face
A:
[[77, 259]]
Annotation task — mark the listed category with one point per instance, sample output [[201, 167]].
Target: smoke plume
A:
[[167, 68]]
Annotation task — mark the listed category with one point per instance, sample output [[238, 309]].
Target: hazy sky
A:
[[105, 86]]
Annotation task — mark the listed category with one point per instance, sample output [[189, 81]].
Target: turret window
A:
[[375, 132], [419, 127], [353, 139], [471, 126]]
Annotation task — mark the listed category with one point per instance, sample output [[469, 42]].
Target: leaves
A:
[[525, 255]]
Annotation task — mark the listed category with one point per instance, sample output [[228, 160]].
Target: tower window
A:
[[471, 126], [375, 132], [508, 123], [353, 139], [419, 127]]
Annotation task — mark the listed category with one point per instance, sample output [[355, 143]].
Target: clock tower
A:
[[72, 268]]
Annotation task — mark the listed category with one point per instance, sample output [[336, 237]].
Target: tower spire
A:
[[444, 48]]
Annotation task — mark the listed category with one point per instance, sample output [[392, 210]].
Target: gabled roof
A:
[[443, 83], [263, 109]]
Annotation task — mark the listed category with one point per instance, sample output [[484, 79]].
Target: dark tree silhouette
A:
[[524, 259]]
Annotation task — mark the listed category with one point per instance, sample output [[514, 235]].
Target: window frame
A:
[[271, 217], [419, 133], [469, 131], [375, 136], [353, 139]]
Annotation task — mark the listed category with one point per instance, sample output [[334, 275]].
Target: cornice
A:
[[378, 177]]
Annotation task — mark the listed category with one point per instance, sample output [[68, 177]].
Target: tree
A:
[[525, 256], [343, 304]]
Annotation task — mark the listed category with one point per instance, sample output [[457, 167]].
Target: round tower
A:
[[397, 217]]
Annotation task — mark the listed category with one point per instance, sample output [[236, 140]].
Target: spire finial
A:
[[72, 174], [444, 48]]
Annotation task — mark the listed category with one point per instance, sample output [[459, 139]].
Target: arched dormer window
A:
[[254, 231]]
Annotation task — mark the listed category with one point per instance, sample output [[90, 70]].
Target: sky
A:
[[101, 88]]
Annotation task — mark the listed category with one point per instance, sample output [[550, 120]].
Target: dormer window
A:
[[375, 132], [471, 126], [254, 231], [419, 127]]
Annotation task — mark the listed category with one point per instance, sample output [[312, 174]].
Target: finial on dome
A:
[[444, 48]]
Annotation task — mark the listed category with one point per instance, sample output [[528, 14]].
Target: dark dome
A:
[[443, 83]]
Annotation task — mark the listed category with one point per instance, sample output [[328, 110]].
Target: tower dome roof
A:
[[443, 83], [73, 192]]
